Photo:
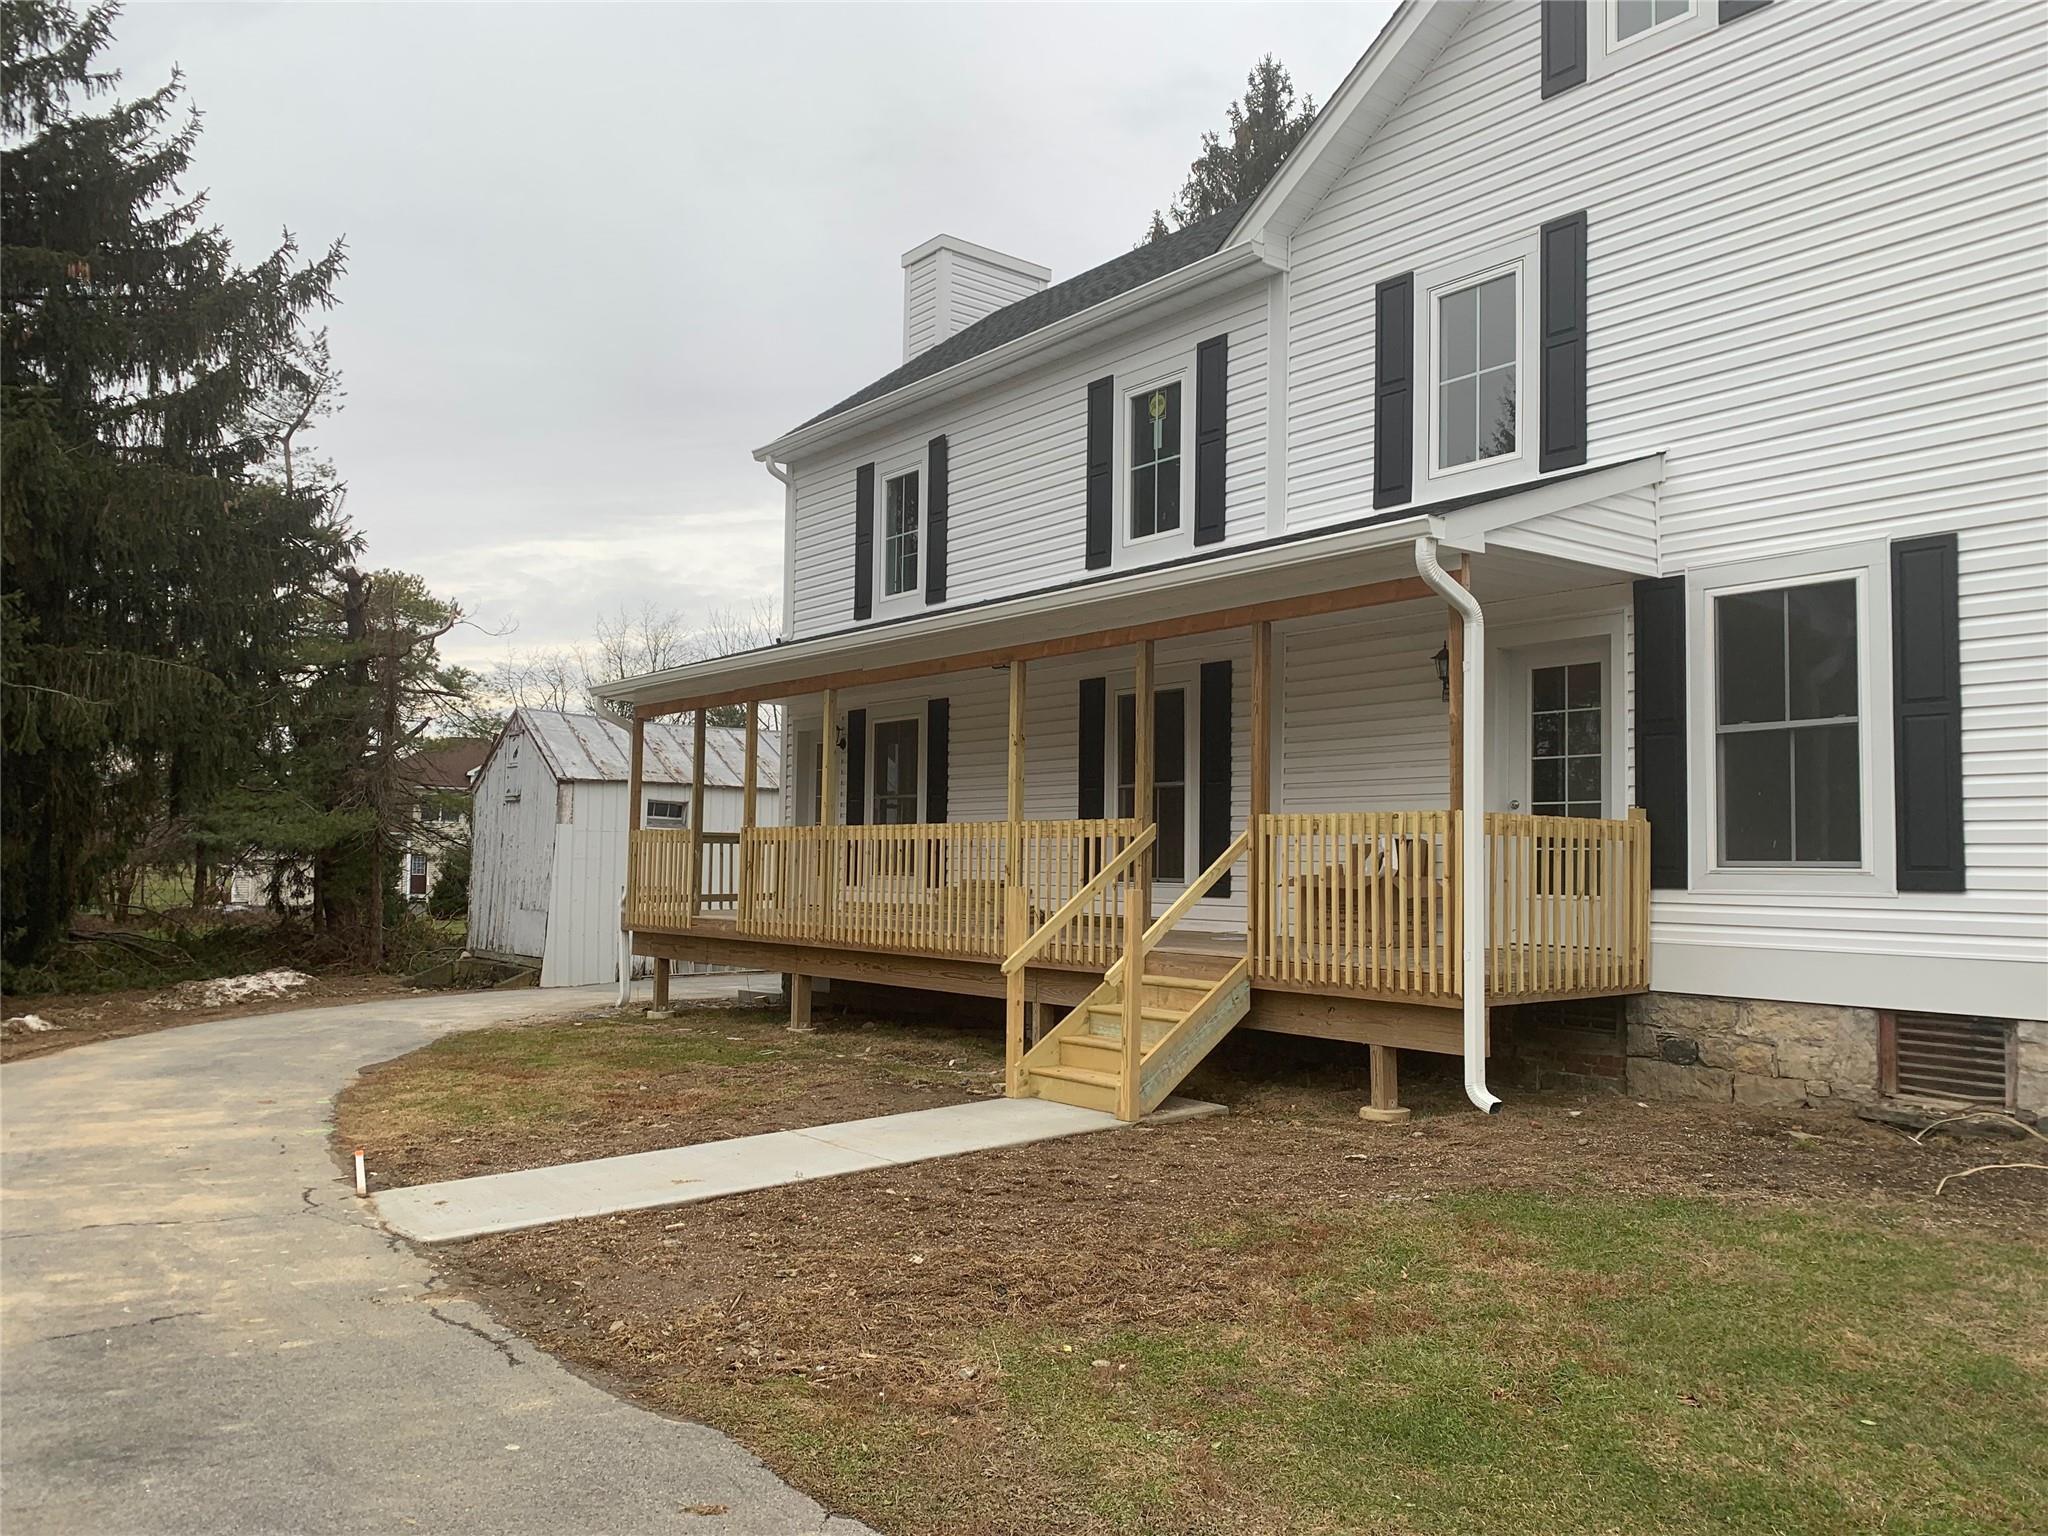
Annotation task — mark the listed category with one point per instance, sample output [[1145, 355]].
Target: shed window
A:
[[1787, 728], [672, 811]]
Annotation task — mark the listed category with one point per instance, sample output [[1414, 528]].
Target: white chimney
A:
[[949, 284]]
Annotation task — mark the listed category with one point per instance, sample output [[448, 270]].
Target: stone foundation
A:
[[1748, 1051]]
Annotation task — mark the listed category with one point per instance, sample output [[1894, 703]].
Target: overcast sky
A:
[[599, 253]]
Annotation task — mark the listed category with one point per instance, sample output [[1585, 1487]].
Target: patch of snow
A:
[[222, 990], [28, 1024]]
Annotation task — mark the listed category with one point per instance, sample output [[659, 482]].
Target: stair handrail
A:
[[1197, 889], [1072, 908]]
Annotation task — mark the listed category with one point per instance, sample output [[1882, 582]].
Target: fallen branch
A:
[[1984, 1168], [1919, 1137]]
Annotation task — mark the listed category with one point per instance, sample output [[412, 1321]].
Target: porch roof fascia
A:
[[1224, 588]]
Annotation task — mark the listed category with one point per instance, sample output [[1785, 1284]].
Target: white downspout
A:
[[625, 956], [787, 476], [1472, 848]]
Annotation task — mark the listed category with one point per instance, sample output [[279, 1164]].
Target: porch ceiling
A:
[[1603, 515]]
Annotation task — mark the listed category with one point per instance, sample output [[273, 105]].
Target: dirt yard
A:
[[1578, 1315]]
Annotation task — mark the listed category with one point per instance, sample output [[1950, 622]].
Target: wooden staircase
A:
[[1123, 1049], [1081, 1060]]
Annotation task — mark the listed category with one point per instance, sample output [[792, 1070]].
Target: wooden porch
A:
[[1349, 925], [1361, 905]]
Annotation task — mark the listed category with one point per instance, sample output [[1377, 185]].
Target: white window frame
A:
[[1606, 51], [1522, 259], [1156, 546], [911, 599], [1868, 565], [649, 818], [877, 719]]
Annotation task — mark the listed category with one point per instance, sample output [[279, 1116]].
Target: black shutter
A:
[[1731, 9], [938, 761], [1101, 467], [1212, 829], [863, 541], [856, 766], [1660, 726], [1212, 413], [1927, 714], [1564, 45], [935, 522], [1564, 344], [1393, 391], [1093, 749]]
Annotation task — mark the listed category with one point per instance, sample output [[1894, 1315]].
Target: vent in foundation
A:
[[1954, 1060]]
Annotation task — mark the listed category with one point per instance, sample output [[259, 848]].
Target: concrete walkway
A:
[[205, 1333], [605, 1186]]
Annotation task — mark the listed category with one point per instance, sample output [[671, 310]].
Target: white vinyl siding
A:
[[1814, 283], [1016, 510]]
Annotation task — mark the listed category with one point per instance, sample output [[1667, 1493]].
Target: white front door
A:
[[1559, 751]]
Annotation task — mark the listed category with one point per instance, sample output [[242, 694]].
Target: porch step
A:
[[1079, 1086], [1149, 1015], [1185, 983]]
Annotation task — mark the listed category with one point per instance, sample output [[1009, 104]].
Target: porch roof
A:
[[1319, 570]]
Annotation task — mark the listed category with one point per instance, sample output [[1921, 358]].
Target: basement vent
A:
[[1957, 1060]]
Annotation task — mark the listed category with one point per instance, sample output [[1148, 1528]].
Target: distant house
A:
[[442, 774], [548, 845]]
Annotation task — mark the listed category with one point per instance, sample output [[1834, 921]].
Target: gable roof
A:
[[588, 749], [1169, 253], [446, 765]]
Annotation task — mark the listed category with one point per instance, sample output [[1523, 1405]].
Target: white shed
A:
[[548, 830]]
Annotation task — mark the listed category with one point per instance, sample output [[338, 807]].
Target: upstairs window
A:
[[1787, 726], [899, 536], [1477, 355], [1155, 461], [1628, 20]]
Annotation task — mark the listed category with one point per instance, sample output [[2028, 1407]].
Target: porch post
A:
[[632, 897], [1142, 769], [696, 819], [1013, 793], [828, 867], [828, 764], [749, 816], [1262, 776], [1016, 929]]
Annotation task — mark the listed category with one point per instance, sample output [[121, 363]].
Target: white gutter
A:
[[1471, 847]]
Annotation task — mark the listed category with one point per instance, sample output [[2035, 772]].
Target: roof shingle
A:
[[1182, 248]]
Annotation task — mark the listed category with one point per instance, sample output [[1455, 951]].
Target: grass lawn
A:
[[1578, 1316]]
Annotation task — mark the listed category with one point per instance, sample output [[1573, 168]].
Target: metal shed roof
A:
[[585, 749]]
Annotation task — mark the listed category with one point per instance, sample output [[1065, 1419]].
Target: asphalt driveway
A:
[[203, 1331]]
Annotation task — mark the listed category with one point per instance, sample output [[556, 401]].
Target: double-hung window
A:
[[899, 535], [1629, 20], [1787, 728], [1153, 505], [1478, 334], [1169, 775], [896, 772]]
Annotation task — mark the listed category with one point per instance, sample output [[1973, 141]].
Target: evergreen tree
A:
[[154, 578], [1236, 165]]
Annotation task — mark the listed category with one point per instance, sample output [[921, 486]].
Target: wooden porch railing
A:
[[659, 892], [928, 888], [1368, 902]]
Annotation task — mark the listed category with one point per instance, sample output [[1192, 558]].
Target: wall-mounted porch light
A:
[[1443, 670]]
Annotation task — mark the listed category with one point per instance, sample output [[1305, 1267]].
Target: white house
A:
[[548, 819], [1669, 378]]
